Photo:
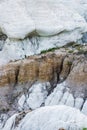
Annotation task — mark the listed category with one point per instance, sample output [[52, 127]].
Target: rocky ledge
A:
[[52, 65], [57, 76], [67, 64]]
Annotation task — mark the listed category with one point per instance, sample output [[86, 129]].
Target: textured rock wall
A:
[[49, 117], [65, 64], [53, 66], [41, 68], [27, 28]]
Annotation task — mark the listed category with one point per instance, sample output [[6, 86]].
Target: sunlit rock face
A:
[[38, 95], [78, 5], [45, 118], [46, 25], [20, 18], [35, 97]]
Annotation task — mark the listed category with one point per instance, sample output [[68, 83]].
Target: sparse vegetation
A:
[[49, 50], [70, 48], [84, 128], [70, 51], [69, 63], [82, 52]]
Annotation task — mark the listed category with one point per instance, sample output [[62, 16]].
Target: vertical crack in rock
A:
[[82, 105], [61, 68], [16, 75], [2, 41], [65, 68]]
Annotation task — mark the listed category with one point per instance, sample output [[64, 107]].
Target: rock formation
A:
[[53, 66], [62, 65], [43, 64], [38, 30], [49, 118]]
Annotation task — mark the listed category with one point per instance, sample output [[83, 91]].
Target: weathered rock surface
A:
[[62, 95], [79, 6], [77, 80], [45, 118], [47, 67], [30, 29], [38, 95], [20, 18], [2, 41], [65, 64], [43, 68], [53, 67], [26, 83]]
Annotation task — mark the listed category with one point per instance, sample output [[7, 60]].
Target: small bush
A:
[[84, 128]]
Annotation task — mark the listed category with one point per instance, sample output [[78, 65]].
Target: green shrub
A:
[[84, 128]]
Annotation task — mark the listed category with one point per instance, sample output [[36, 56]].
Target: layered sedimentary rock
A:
[[66, 65], [43, 68], [59, 77], [52, 66], [54, 78], [33, 26]]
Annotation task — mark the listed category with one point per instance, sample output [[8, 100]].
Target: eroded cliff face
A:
[[49, 79], [34, 68], [62, 65], [56, 78], [50, 66]]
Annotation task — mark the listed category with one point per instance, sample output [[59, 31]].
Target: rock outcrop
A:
[[79, 6], [45, 118], [56, 78], [21, 18], [77, 80], [43, 68], [40, 95], [66, 65], [52, 66], [30, 29]]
